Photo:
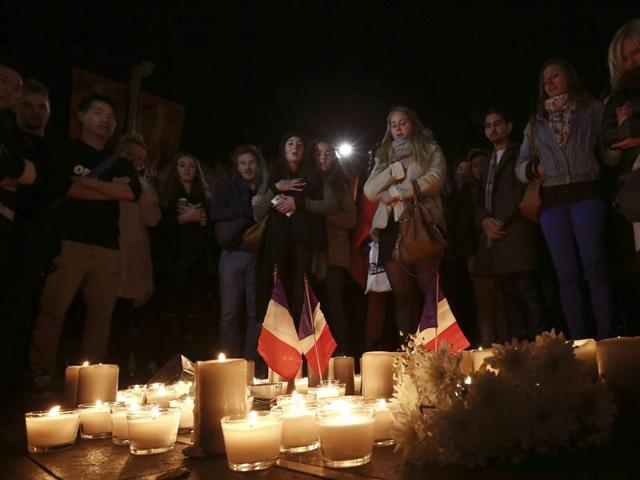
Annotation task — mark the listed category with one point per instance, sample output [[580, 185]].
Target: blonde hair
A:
[[629, 31]]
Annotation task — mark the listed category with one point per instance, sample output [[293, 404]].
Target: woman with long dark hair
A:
[[407, 153], [296, 200], [567, 125]]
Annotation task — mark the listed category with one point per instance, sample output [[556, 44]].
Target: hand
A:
[[191, 213], [286, 205], [255, 200], [291, 185], [540, 170], [493, 228], [624, 112], [627, 143], [386, 198]]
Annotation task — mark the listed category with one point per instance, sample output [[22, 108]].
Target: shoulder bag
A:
[[531, 202]]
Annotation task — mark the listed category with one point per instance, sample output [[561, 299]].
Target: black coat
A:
[[518, 250]]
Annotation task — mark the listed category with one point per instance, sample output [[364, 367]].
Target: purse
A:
[[531, 202], [252, 237], [628, 198], [419, 237]]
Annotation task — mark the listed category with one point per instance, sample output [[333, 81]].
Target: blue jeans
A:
[[237, 284], [575, 236]]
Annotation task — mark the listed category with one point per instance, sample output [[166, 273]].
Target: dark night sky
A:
[[249, 71]]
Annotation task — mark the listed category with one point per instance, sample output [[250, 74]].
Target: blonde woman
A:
[[408, 153]]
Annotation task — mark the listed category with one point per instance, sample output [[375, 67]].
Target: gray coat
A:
[[518, 250]]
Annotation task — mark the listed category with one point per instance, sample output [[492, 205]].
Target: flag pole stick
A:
[[313, 327], [437, 302]]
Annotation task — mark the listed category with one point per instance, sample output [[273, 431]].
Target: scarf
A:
[[491, 177], [559, 111]]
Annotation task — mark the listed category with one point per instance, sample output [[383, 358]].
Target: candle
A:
[[466, 362], [51, 430], [585, 351], [97, 382], [119, 429], [152, 429], [346, 436], [251, 371], [160, 396], [341, 403], [221, 389], [377, 374], [130, 397], [71, 385], [329, 389], [344, 371], [295, 397], [382, 424], [357, 384], [313, 376], [268, 391], [252, 441], [479, 356], [619, 367], [182, 388], [301, 385], [95, 419], [299, 430], [186, 414]]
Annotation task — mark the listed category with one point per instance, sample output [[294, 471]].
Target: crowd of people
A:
[[87, 219]]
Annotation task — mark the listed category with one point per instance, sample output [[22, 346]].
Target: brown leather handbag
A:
[[531, 202], [419, 237], [252, 237]]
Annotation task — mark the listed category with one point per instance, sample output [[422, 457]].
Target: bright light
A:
[[345, 150], [221, 357]]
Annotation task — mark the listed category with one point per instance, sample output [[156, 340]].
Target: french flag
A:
[[437, 323], [278, 344], [315, 336]]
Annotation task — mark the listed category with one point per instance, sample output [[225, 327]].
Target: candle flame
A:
[[155, 412], [188, 401], [85, 363], [54, 411], [480, 348], [381, 403], [98, 403], [467, 380], [253, 418], [221, 357]]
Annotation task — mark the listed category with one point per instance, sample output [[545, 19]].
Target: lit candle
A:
[[314, 378], [152, 429], [299, 430], [479, 356], [95, 419], [97, 382], [160, 396], [466, 362], [302, 385], [221, 389], [182, 388], [51, 430], [252, 441], [130, 396], [71, 374], [377, 374], [619, 368], [346, 436], [382, 423], [295, 397], [344, 371], [186, 413], [585, 351], [329, 389], [119, 429]]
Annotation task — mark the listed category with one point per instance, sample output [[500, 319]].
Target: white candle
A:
[[302, 385], [95, 419], [346, 436], [466, 362], [152, 429], [357, 384], [119, 428], [182, 388], [619, 368], [382, 423], [186, 413], [160, 396], [252, 441], [97, 382], [71, 374], [299, 430], [585, 351], [295, 397], [479, 356], [344, 371], [130, 397], [53, 429], [377, 374]]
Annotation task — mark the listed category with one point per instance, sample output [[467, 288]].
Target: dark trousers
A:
[[523, 304], [335, 288]]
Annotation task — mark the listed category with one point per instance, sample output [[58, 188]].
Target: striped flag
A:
[[278, 344], [315, 336], [437, 320]]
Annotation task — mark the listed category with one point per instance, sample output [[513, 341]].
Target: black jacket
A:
[[231, 212]]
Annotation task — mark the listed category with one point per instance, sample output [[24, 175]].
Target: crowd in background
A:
[[104, 259]]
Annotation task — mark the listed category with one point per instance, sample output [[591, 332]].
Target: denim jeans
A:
[[575, 236], [238, 284]]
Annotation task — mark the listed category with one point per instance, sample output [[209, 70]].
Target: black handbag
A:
[[628, 198]]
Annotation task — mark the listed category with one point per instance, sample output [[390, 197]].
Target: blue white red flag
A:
[[278, 344], [315, 336]]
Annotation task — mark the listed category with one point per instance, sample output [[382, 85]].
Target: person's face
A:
[[476, 165], [630, 54], [554, 80], [400, 125], [187, 169], [136, 154], [33, 111], [10, 87], [99, 119], [247, 165], [462, 171], [323, 155], [496, 129], [294, 152]]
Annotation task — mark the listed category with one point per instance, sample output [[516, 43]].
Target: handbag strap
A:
[[532, 148]]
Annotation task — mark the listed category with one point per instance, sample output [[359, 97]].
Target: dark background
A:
[[249, 71]]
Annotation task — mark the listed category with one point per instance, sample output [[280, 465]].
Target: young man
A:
[[232, 212], [508, 249], [89, 253]]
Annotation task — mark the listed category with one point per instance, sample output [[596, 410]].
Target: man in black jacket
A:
[[232, 212], [508, 249]]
